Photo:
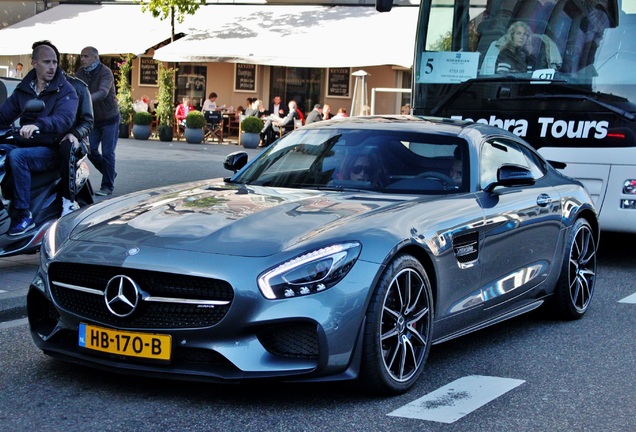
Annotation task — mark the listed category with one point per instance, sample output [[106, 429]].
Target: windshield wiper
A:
[[612, 108], [468, 83]]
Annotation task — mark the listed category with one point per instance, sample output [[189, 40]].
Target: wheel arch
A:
[[425, 259]]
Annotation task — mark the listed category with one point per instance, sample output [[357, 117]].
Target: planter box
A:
[[141, 132], [250, 140], [194, 135]]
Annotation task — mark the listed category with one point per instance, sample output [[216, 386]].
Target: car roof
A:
[[410, 123]]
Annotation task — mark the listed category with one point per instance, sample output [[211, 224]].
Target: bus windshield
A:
[[558, 73], [473, 53]]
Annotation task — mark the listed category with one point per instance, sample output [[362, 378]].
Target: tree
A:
[[172, 9], [165, 106], [124, 89]]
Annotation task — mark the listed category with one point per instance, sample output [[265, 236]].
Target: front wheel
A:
[[575, 287], [398, 329]]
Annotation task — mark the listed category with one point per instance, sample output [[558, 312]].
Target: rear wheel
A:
[[575, 287], [399, 324]]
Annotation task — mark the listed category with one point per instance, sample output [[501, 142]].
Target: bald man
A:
[[40, 133]]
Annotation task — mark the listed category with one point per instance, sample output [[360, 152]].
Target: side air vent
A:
[[466, 247]]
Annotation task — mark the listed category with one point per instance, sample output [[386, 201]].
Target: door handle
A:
[[543, 200]]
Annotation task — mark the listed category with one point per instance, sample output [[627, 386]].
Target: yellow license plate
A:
[[144, 345]]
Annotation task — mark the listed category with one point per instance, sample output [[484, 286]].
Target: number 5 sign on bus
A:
[[448, 67]]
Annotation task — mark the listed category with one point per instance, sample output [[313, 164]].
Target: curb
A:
[[13, 306]]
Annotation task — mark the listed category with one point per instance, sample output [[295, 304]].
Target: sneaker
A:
[[21, 226], [68, 206], [104, 192]]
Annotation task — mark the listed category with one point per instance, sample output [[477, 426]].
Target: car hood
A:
[[215, 217]]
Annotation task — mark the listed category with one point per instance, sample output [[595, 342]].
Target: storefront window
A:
[[304, 85], [191, 83]]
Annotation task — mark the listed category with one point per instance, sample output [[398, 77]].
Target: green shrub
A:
[[142, 118], [165, 107], [252, 125], [195, 120]]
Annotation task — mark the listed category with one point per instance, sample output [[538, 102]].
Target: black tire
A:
[[575, 288], [398, 328]]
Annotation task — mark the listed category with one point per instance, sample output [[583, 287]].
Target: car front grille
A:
[[76, 288]]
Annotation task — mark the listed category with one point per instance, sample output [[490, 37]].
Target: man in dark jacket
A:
[[75, 142], [101, 84], [40, 133]]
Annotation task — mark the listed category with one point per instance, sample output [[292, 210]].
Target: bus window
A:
[[571, 91]]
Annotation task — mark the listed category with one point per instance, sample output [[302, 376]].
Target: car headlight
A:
[[311, 272], [53, 239]]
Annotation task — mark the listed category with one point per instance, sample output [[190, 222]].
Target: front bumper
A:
[[313, 338]]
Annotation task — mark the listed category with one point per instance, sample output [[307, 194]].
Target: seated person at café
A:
[[254, 109], [315, 115], [274, 124], [182, 110], [210, 103]]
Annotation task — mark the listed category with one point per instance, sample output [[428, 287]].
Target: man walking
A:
[[37, 148], [101, 84]]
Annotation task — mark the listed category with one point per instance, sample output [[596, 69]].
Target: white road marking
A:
[[457, 399], [629, 299], [14, 323]]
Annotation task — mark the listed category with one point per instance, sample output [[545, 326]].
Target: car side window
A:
[[497, 152]]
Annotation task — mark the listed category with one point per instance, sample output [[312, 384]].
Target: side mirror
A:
[[235, 161], [511, 175], [383, 5]]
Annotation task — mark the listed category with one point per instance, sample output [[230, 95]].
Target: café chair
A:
[[179, 129], [213, 125]]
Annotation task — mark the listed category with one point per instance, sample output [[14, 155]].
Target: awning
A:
[[112, 29], [277, 35], [293, 35]]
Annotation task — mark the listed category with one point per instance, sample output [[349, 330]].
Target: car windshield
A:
[[361, 159]]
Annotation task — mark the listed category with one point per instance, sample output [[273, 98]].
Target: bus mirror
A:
[[383, 5]]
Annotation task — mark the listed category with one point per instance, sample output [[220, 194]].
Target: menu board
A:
[[148, 72], [244, 77], [338, 82]]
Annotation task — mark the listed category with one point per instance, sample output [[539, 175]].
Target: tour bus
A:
[[559, 73]]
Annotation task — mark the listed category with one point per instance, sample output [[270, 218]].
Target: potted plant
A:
[[124, 95], [141, 125], [251, 128], [194, 127], [165, 106]]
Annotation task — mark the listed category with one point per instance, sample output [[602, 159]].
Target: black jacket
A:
[[101, 84], [60, 108], [84, 119]]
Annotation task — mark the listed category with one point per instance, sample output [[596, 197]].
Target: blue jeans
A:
[[106, 134], [22, 161]]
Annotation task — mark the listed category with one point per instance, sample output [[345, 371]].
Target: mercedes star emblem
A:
[[121, 296]]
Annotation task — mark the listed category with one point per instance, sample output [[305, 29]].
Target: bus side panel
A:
[[604, 179]]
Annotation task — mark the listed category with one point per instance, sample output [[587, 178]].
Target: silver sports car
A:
[[343, 251]]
